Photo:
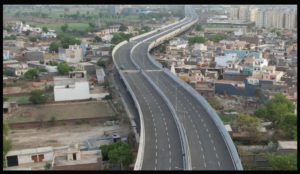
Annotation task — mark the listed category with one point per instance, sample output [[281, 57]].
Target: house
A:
[[46, 77], [286, 147], [88, 67], [200, 47], [32, 56], [238, 33], [221, 60], [7, 106], [18, 69], [10, 62], [105, 51], [5, 54], [48, 35], [28, 156], [100, 75], [72, 55]]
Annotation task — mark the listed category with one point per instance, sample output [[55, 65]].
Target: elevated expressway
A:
[[208, 144]]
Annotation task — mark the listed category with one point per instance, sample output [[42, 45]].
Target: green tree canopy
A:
[[163, 49], [33, 39], [282, 162], [63, 68], [26, 32], [199, 27], [278, 33], [6, 143], [289, 124], [196, 39], [92, 24], [54, 46], [288, 42], [101, 63], [146, 28], [123, 28], [165, 64], [216, 38], [13, 37], [30, 74], [45, 29], [64, 28], [37, 96], [98, 39], [275, 109], [43, 70], [273, 30]]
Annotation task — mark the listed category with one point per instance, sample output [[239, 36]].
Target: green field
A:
[[56, 27], [21, 99], [226, 118]]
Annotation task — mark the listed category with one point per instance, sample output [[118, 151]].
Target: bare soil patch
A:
[[61, 112], [61, 135]]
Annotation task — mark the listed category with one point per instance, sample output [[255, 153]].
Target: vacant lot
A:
[[61, 135], [23, 99], [61, 112], [56, 27]]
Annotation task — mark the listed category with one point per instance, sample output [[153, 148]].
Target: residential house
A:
[[221, 30], [5, 55], [17, 69], [221, 60], [199, 33], [48, 35], [32, 56], [46, 77], [8, 106], [105, 51], [259, 63], [72, 55], [269, 90], [238, 33], [88, 67], [10, 62], [203, 85], [100, 75], [286, 147]]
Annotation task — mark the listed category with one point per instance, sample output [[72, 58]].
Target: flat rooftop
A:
[[227, 81], [87, 157], [287, 144]]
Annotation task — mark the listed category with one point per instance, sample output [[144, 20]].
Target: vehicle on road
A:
[[121, 67]]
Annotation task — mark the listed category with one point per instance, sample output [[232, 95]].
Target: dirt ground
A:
[[23, 86], [235, 102], [61, 135], [61, 112]]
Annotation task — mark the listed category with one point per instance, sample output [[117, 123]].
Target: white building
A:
[[238, 33], [264, 18], [72, 55], [221, 60], [259, 63], [290, 20], [200, 47]]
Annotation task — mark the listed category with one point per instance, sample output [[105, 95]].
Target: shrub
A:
[[107, 97], [78, 122]]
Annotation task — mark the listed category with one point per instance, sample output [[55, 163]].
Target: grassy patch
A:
[[56, 27], [225, 118], [21, 99]]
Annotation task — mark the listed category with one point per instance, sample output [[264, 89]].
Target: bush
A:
[[78, 122], [107, 97]]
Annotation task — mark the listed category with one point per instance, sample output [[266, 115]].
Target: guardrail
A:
[[212, 113], [140, 156], [182, 135]]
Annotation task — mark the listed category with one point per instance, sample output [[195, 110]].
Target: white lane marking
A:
[[156, 153], [209, 135], [165, 123], [219, 163], [217, 155], [166, 128], [203, 156], [164, 118], [212, 141], [200, 142], [193, 125], [181, 104], [169, 146], [155, 140], [168, 139], [167, 134], [196, 131], [204, 164], [170, 160], [155, 134], [190, 103], [149, 108], [155, 161], [198, 136], [160, 110], [204, 124], [162, 114], [155, 129], [196, 112], [154, 124], [201, 149], [151, 111], [193, 107], [214, 148], [201, 120], [169, 168], [158, 107], [170, 152], [155, 168], [153, 118], [156, 146], [207, 130]]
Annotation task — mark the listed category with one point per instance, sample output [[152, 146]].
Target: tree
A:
[[289, 124], [278, 33], [275, 109], [5, 98], [216, 38], [118, 153], [282, 162], [165, 64], [64, 27], [92, 24], [101, 63], [45, 29], [273, 30], [47, 166], [33, 39], [6, 143], [63, 68], [199, 27], [87, 12], [196, 39], [288, 42], [54, 46], [26, 32], [52, 119], [249, 124], [43, 70], [13, 37], [98, 39], [7, 38], [163, 49], [112, 47], [257, 92], [37, 96], [146, 28], [123, 28], [30, 74]]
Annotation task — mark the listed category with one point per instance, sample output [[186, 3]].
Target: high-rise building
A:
[[252, 14], [290, 19], [234, 13], [278, 19], [242, 13], [263, 18], [116, 9]]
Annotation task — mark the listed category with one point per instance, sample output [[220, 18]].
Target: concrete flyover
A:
[[160, 145], [209, 143]]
